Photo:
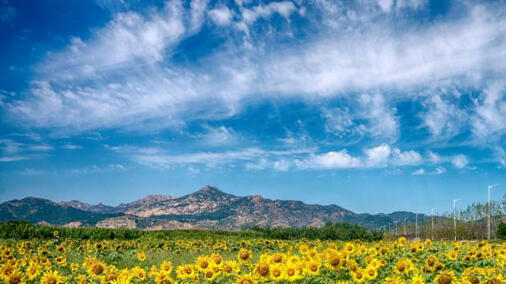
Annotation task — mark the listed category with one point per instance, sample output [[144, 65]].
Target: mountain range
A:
[[206, 208]]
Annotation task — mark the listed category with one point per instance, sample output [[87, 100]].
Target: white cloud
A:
[[378, 155], [439, 171], [418, 172], [221, 16], [409, 157], [219, 136], [282, 165], [283, 8], [490, 112], [71, 147], [123, 76], [330, 160], [433, 157], [386, 5], [128, 38], [460, 161], [12, 150], [412, 4], [160, 158], [443, 118], [197, 13], [382, 120]]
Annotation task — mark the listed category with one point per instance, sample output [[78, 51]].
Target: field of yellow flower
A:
[[228, 260]]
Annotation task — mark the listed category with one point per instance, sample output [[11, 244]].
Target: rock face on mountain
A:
[[98, 208], [208, 207]]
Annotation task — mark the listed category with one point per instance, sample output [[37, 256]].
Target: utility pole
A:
[[432, 223], [455, 217], [395, 228], [489, 210]]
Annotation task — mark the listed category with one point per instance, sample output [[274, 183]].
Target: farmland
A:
[[116, 256]]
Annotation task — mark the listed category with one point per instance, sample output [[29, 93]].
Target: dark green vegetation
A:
[[331, 231], [501, 231]]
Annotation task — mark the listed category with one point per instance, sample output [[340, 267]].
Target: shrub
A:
[[501, 231]]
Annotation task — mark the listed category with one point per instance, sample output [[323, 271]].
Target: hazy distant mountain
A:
[[42, 210], [206, 208]]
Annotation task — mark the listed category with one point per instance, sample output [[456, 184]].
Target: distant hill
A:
[[208, 207]]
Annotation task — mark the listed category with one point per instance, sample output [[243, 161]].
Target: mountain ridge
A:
[[208, 207]]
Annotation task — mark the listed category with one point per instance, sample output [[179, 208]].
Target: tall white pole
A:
[[455, 218], [395, 228]]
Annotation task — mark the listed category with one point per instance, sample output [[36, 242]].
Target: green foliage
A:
[[501, 231], [331, 231]]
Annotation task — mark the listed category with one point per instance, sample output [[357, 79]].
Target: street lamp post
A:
[[455, 218]]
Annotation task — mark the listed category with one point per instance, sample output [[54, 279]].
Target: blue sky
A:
[[375, 106]]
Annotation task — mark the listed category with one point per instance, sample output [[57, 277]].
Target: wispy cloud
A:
[[458, 53], [12, 150]]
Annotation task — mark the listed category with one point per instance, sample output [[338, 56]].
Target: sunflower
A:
[[185, 271], [244, 256], [245, 279], [138, 273], [417, 279], [33, 271], [358, 276], [141, 256], [81, 279], [203, 262], [52, 277], [349, 247], [74, 266], [230, 267], [394, 280], [210, 274], [61, 261], [402, 241], [96, 270], [333, 261], [452, 255], [166, 266], [371, 272], [276, 272], [403, 266], [217, 259], [163, 278], [15, 278], [121, 281], [445, 277], [292, 273], [262, 270], [313, 268]]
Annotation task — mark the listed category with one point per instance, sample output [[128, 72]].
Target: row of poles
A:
[[454, 218]]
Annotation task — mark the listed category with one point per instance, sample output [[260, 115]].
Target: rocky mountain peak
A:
[[210, 192], [210, 189]]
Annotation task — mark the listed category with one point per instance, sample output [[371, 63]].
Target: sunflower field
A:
[[232, 259]]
